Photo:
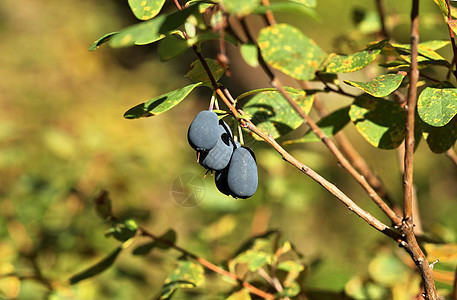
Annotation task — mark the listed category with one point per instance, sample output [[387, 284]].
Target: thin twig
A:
[[407, 228], [451, 35], [270, 18], [382, 18], [411, 109], [208, 265]]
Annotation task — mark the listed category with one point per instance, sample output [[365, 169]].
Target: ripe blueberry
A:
[[219, 156], [204, 131], [242, 177]]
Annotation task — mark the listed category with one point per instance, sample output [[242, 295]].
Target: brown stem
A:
[[382, 18], [208, 265], [451, 35], [412, 247], [407, 228], [269, 17], [411, 108]]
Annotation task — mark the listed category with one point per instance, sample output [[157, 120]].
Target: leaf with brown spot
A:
[[381, 86], [271, 112], [340, 63], [381, 122], [146, 9], [287, 49], [437, 106]]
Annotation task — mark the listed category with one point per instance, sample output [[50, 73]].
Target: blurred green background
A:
[[63, 140]]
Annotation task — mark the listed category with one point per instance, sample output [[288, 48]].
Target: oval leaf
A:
[[253, 258], [287, 49], [337, 63], [440, 139], [151, 31], [387, 269], [381, 86], [437, 106], [198, 74], [250, 54], [101, 41], [146, 9], [445, 253], [97, 268], [287, 7], [172, 46], [187, 275], [380, 122], [160, 104], [329, 125], [273, 114], [240, 7]]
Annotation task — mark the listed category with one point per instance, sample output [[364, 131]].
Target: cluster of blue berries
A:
[[235, 165]]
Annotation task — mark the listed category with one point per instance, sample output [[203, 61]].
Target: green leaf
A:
[[151, 31], [440, 139], [186, 276], [381, 86], [287, 49], [198, 74], [437, 106], [380, 122], [445, 253], [144, 249], [97, 268], [146, 9], [240, 7], [336, 63], [310, 3], [291, 290], [160, 104], [293, 270], [426, 50], [253, 258], [387, 269], [101, 41], [169, 238], [240, 295], [359, 289], [273, 114], [123, 230], [443, 6], [330, 125], [250, 54], [172, 46], [367, 22], [287, 7]]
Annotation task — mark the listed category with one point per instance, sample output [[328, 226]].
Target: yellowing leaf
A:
[[287, 49]]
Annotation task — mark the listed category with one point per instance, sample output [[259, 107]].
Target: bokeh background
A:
[[63, 141]]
